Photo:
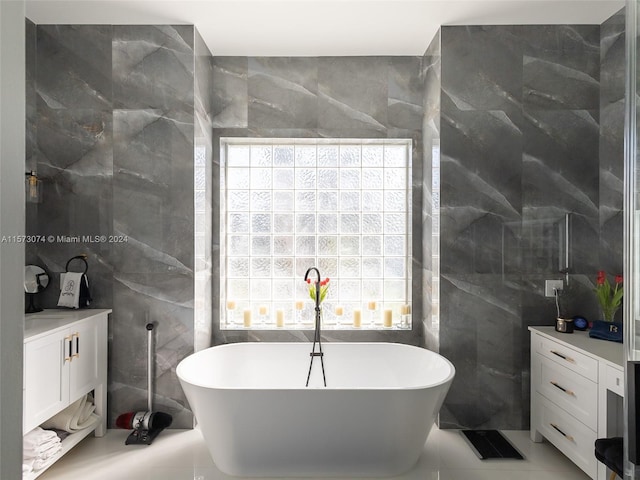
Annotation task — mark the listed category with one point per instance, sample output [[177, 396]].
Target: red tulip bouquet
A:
[[609, 297]]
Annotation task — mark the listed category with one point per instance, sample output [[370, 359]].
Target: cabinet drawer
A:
[[569, 435], [570, 358], [570, 391], [614, 380]]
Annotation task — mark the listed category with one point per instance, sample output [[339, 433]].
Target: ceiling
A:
[[317, 27]]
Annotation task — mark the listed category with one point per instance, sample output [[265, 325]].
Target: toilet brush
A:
[[146, 424]]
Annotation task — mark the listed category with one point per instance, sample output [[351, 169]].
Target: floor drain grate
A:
[[491, 444]]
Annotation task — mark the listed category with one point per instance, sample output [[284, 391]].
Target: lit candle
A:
[[231, 305], [357, 318], [388, 318], [299, 305], [339, 311], [280, 317], [247, 318], [372, 305], [262, 310]]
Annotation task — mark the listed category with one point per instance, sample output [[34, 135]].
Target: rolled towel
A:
[[84, 417], [64, 419]]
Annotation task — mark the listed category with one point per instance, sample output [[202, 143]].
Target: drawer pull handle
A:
[[568, 437], [77, 336], [564, 357], [568, 392], [69, 339]]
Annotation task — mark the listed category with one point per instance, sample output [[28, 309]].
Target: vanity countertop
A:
[[611, 352], [37, 324]]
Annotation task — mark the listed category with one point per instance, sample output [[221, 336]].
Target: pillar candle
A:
[[262, 310], [388, 318], [280, 317], [339, 311], [404, 310], [231, 305], [247, 318], [357, 318], [372, 305], [299, 305]]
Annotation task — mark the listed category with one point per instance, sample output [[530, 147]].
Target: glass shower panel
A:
[[631, 305]]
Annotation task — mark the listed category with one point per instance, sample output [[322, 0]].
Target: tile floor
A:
[[182, 455]]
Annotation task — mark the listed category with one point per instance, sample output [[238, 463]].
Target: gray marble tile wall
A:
[[521, 145], [153, 175], [431, 71], [204, 307], [75, 153], [612, 84], [342, 97], [115, 129]]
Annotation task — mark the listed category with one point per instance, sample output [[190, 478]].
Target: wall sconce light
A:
[[33, 187]]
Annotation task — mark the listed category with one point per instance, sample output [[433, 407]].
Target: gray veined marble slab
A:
[[353, 93], [74, 66], [283, 92], [153, 67], [482, 67], [230, 92]]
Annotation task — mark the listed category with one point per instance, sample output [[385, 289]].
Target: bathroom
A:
[[487, 296]]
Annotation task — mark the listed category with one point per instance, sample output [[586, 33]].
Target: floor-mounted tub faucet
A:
[[316, 335]]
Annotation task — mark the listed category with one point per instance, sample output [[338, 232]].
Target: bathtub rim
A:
[[448, 379]]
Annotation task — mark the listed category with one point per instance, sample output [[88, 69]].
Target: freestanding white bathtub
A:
[[371, 420]]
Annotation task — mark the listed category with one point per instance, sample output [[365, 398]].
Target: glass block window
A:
[[343, 206]]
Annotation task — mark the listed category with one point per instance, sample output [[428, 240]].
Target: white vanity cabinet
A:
[[65, 357], [575, 381]]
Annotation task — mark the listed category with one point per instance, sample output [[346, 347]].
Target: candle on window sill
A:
[[247, 318], [405, 314], [262, 314], [372, 312], [299, 307], [280, 317], [357, 318], [231, 306], [339, 312], [388, 319]]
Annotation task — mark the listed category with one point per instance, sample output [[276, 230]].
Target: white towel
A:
[[70, 289], [37, 437], [33, 452], [75, 417], [43, 459], [38, 447], [82, 418]]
